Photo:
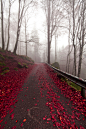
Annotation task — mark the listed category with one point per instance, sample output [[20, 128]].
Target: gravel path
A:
[[30, 111]]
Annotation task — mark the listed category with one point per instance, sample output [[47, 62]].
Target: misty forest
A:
[[42, 64], [33, 28]]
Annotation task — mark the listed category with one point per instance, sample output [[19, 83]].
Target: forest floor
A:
[[34, 97]]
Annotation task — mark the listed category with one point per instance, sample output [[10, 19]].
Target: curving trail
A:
[[45, 102]]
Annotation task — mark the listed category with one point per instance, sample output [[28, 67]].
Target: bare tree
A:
[[73, 15], [23, 6], [10, 4], [81, 35], [25, 36], [53, 19], [2, 25], [74, 45], [26, 33], [48, 2], [55, 47]]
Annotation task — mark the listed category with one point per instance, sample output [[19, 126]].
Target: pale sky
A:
[[37, 19]]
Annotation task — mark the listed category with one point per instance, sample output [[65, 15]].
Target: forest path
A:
[[34, 107]]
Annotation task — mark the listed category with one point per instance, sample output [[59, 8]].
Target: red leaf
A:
[[48, 119], [12, 116], [14, 127], [44, 118], [1, 120], [21, 125]]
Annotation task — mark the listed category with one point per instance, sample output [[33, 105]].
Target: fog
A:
[[33, 32]]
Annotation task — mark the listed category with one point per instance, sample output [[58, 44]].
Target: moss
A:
[[22, 66], [2, 64], [25, 65], [5, 68], [16, 69], [63, 79], [73, 85], [56, 65], [5, 71], [27, 58], [19, 65], [2, 57]]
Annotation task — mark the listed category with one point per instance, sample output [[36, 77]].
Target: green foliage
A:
[[56, 65], [20, 65], [27, 58], [5, 68], [63, 79], [2, 57], [16, 69], [5, 71], [73, 85], [2, 64], [25, 65]]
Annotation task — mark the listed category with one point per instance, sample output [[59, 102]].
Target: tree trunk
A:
[[55, 48], [68, 56], [80, 60], [20, 45], [74, 38], [2, 26], [74, 60], [8, 27], [69, 49], [49, 31], [26, 46], [18, 30], [83, 37], [26, 36], [80, 55], [19, 25], [5, 34], [67, 64], [15, 48]]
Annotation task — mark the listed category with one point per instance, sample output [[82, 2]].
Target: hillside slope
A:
[[14, 69], [8, 59]]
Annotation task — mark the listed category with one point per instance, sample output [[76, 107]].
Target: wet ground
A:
[[34, 107]]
